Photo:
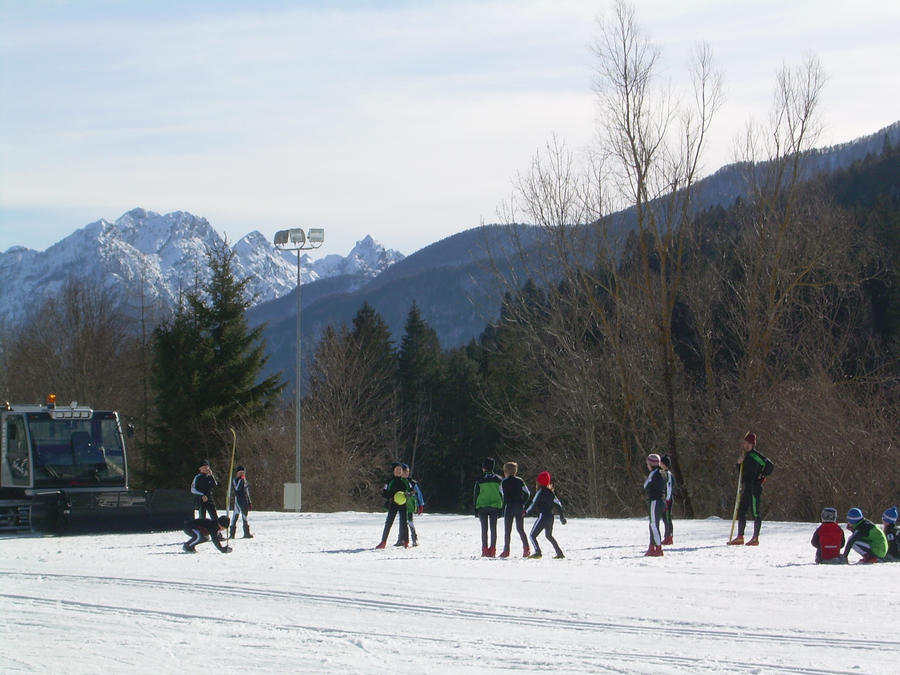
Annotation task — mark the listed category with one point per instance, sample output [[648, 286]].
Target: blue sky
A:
[[404, 120]]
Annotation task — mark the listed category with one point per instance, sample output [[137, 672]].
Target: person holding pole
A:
[[754, 469]]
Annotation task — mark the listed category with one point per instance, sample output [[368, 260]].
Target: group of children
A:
[[872, 544], [205, 528], [493, 496], [404, 498]]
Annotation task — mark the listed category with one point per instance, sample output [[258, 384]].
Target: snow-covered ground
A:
[[310, 595]]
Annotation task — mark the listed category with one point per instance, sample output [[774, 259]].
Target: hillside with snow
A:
[[152, 258], [310, 594]]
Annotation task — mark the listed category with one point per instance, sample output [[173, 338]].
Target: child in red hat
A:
[[544, 501]]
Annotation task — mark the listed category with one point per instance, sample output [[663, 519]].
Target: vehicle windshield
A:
[[75, 452]]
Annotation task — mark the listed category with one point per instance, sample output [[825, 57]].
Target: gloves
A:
[[762, 480], [563, 520], [419, 510]]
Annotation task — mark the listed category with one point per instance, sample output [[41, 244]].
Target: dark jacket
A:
[[241, 493], [756, 467], [655, 485], [394, 485], [515, 493], [208, 527], [204, 485], [893, 542], [544, 501]]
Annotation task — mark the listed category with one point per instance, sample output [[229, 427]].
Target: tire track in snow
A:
[[514, 616], [589, 661]]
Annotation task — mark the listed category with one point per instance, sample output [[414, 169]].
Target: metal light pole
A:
[[297, 240]]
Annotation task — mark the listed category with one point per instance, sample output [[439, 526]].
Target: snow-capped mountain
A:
[[156, 257]]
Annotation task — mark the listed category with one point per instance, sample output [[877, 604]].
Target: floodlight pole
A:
[[297, 240]]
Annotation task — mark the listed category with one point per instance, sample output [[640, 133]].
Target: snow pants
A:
[[750, 498], [657, 509], [393, 510], [514, 513], [544, 523], [488, 515]]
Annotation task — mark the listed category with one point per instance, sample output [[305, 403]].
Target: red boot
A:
[[484, 551], [382, 544], [504, 553], [754, 541], [492, 552], [526, 553], [737, 541], [655, 551], [667, 541]]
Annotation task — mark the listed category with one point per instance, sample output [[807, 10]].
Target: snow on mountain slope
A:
[[309, 594], [157, 257]]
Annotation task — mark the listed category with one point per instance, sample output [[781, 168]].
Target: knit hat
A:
[[543, 478], [394, 465], [239, 468], [829, 514], [223, 521], [653, 459], [666, 461], [890, 515], [204, 462], [404, 466], [750, 438], [488, 464], [854, 515]]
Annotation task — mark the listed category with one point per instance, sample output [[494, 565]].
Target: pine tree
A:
[[205, 373]]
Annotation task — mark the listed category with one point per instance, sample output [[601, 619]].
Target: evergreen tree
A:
[[419, 372], [205, 373]]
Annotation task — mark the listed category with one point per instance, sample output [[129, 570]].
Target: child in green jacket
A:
[[488, 504], [867, 539]]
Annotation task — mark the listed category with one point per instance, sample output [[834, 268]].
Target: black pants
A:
[[488, 516], [196, 537], [667, 520], [209, 507], [656, 510], [750, 498], [393, 510], [514, 513], [544, 523]]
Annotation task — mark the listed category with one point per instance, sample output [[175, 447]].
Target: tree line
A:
[[638, 324]]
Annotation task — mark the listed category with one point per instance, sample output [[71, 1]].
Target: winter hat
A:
[[204, 462], [488, 464], [666, 461], [404, 466], [829, 515], [543, 478], [890, 516], [394, 465], [239, 468], [854, 515], [750, 438], [653, 459], [223, 521]]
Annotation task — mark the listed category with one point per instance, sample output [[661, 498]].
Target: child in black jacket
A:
[[544, 501], [515, 497], [655, 486], [395, 492], [205, 529], [889, 525]]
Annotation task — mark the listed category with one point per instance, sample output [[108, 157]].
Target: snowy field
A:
[[310, 595]]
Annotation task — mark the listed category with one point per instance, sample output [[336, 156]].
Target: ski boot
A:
[[415, 540], [504, 553], [247, 534], [484, 552], [869, 558], [655, 551], [559, 556], [188, 549], [231, 531], [492, 552], [526, 552], [535, 556], [382, 544], [754, 541], [737, 541], [667, 541]]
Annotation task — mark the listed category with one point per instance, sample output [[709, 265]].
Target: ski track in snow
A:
[[290, 601]]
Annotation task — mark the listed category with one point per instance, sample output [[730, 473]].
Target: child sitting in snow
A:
[[867, 539], [889, 526], [828, 539]]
